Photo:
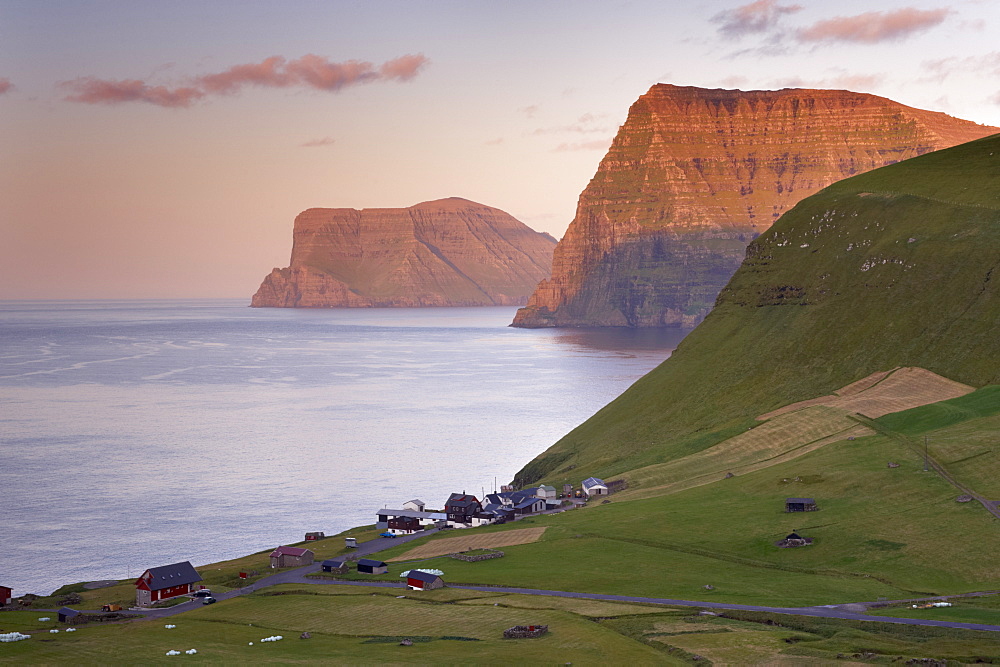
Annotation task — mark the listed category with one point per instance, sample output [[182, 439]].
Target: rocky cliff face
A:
[[449, 252], [694, 175]]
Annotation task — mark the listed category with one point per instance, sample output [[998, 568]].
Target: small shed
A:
[[166, 581], [548, 492], [6, 595], [369, 566], [594, 487], [800, 505], [316, 535], [335, 565], [65, 614], [291, 557], [419, 580], [416, 505]]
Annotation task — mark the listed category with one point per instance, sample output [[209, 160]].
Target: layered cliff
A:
[[897, 267], [449, 252], [694, 175]]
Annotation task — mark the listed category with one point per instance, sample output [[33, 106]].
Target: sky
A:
[[155, 149]]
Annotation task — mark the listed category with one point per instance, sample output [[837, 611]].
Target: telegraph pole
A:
[[925, 453]]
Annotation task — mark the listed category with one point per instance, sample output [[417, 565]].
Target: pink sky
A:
[[160, 150]]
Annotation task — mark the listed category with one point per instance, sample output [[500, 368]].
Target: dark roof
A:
[[66, 611], [289, 551], [166, 576], [334, 562], [368, 562], [794, 536], [457, 498], [528, 503], [420, 575], [804, 501]]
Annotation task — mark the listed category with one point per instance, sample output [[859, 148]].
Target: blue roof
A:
[[528, 503], [593, 481], [334, 562]]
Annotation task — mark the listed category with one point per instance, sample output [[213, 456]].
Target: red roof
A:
[[289, 551]]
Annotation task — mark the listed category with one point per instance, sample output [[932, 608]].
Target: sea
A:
[[141, 433]]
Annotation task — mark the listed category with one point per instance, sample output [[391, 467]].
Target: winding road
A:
[[842, 611]]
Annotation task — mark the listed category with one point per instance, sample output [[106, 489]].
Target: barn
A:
[[800, 505], [6, 595], [419, 580], [291, 557], [166, 581], [368, 566], [594, 487], [65, 614]]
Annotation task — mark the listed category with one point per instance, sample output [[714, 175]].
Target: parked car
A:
[[203, 593], [387, 535], [208, 600]]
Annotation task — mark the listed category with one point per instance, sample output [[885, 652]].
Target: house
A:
[[368, 566], [501, 513], [6, 595], [65, 614], [415, 505], [800, 505], [419, 580], [291, 557], [404, 525], [335, 565], [594, 487], [312, 537], [423, 520], [502, 499], [164, 582], [460, 509]]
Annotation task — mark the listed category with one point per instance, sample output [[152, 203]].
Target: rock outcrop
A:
[[449, 252], [694, 175]]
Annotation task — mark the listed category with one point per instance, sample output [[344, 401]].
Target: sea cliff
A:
[[449, 252], [694, 175]]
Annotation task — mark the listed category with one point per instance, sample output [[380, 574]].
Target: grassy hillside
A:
[[895, 267]]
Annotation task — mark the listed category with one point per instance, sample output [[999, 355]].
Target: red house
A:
[[166, 581], [6, 595]]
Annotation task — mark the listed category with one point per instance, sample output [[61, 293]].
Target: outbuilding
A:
[[164, 582], [335, 565], [794, 540], [800, 505], [594, 487], [291, 557], [6, 595], [369, 566], [316, 535], [419, 580], [416, 505], [65, 614]]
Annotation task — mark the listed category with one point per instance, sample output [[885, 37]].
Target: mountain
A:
[[448, 252], [895, 268], [694, 175]]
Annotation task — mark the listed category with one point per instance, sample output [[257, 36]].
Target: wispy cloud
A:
[[5, 85], [494, 142], [316, 143], [90, 90], [873, 27], [309, 71], [756, 17], [940, 69], [598, 145], [835, 80], [585, 124], [529, 111]]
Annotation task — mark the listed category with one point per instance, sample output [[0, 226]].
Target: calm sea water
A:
[[139, 433]]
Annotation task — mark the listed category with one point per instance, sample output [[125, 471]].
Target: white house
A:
[[547, 492], [594, 487], [415, 505]]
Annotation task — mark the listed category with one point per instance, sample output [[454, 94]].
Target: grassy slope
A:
[[898, 271]]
